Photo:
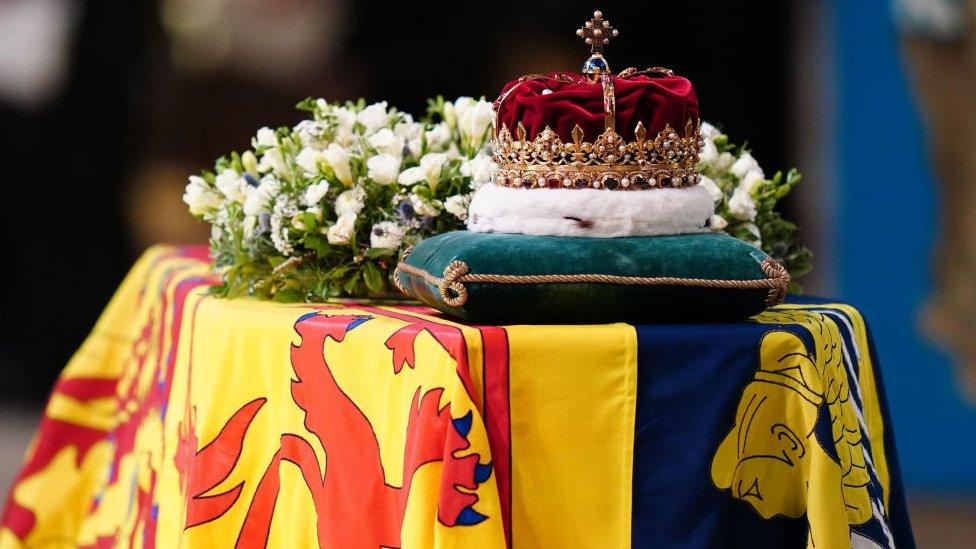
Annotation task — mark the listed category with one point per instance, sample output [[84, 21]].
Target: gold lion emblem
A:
[[773, 457]]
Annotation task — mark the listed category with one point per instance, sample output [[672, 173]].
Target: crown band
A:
[[610, 162]]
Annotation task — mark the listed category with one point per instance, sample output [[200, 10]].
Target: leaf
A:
[[288, 295], [375, 253], [373, 277], [350, 286]]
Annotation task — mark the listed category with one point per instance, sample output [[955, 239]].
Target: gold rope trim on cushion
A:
[[453, 292]]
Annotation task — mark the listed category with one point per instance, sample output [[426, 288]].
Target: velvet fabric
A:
[[655, 101], [707, 255]]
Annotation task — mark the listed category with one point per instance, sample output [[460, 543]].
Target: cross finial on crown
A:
[[597, 32]]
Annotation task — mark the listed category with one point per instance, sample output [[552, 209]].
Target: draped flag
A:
[[187, 420]]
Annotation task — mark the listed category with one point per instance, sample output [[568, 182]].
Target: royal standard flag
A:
[[187, 420]]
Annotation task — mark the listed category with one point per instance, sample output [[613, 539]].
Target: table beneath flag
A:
[[188, 420]]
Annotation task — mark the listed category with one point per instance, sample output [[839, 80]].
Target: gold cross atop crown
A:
[[597, 33]]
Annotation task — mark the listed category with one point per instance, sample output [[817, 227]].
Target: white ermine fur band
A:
[[590, 212]]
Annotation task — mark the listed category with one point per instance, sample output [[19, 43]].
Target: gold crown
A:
[[610, 162]]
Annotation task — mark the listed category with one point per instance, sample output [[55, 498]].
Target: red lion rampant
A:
[[355, 505]]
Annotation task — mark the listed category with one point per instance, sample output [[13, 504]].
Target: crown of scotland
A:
[[635, 130]]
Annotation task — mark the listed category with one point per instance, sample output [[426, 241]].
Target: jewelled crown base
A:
[[611, 163]]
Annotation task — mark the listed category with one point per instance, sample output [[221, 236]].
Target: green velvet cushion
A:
[[514, 278]]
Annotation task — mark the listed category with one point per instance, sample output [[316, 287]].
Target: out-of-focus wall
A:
[[887, 229]]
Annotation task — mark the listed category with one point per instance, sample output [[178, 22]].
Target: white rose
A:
[[713, 189], [308, 160], [480, 169], [272, 161], [374, 117], [232, 185], [350, 202], [457, 205], [259, 200], [386, 141], [265, 138], [724, 161], [750, 180], [709, 132], [383, 168], [708, 153], [742, 206], [201, 199], [386, 234], [341, 232], [745, 164], [717, 223], [338, 158], [473, 123], [314, 193], [429, 169]]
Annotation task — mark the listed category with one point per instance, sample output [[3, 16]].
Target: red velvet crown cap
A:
[[655, 101]]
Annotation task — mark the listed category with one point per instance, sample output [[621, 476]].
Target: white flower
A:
[[742, 206], [284, 209], [745, 164], [479, 169], [454, 111], [708, 153], [345, 121], [473, 123], [232, 186], [386, 141], [201, 199], [350, 202], [423, 208], [450, 114], [272, 161], [374, 117], [438, 136], [383, 168], [717, 223], [754, 231], [712, 188], [457, 205], [386, 234], [429, 170], [410, 132], [709, 132], [259, 200], [724, 161], [750, 180], [308, 160], [311, 133], [338, 159], [265, 138], [315, 192], [341, 232]]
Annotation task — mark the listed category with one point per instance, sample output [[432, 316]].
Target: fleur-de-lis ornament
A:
[[597, 33]]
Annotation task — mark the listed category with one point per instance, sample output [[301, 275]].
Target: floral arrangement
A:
[[323, 210], [745, 201]]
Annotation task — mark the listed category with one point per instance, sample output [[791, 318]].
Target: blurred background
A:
[[107, 106]]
